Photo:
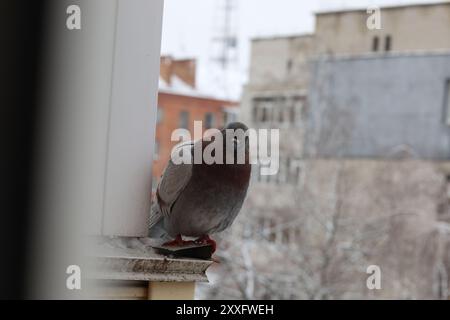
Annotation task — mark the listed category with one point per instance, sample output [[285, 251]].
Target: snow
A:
[[179, 87]]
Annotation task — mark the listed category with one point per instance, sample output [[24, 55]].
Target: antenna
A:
[[225, 41]]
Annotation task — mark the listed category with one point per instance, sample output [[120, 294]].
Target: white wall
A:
[[132, 111], [96, 134]]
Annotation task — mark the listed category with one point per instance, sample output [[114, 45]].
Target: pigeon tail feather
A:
[[156, 223]]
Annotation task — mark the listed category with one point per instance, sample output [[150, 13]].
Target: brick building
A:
[[180, 103]]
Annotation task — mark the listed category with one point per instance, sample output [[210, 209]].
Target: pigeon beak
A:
[[235, 142]]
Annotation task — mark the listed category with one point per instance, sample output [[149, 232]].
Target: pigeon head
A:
[[236, 143], [236, 126]]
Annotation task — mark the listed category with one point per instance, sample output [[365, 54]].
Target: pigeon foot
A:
[[207, 240], [177, 242]]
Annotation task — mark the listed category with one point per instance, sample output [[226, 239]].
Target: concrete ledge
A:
[[134, 259]]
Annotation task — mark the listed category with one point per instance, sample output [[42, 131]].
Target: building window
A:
[[289, 65], [300, 104], [159, 115], [255, 113], [300, 109], [283, 171], [184, 120], [292, 114], [264, 114], [447, 102], [209, 120], [375, 44], [276, 231], [289, 173], [281, 115], [284, 110], [231, 116], [294, 172], [387, 44]]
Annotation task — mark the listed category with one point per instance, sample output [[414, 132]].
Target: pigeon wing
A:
[[174, 179]]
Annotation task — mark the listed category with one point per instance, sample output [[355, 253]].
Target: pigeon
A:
[[196, 200]]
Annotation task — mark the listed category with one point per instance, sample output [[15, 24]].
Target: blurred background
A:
[[359, 90], [364, 118]]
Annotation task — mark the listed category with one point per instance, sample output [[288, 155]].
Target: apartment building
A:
[[364, 152]]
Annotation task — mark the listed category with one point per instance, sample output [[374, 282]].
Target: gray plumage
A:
[[199, 199]]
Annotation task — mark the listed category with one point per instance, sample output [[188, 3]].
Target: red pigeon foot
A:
[[207, 240], [177, 242]]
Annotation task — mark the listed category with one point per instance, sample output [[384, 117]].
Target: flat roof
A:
[[283, 37], [389, 7], [384, 55]]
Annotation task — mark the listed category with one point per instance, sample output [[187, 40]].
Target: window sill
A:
[[122, 258]]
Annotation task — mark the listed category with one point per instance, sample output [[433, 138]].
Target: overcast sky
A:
[[190, 25]]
